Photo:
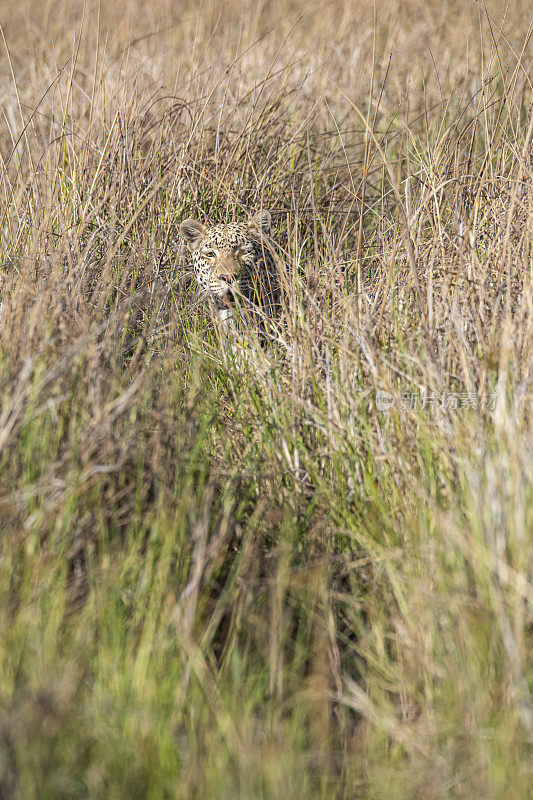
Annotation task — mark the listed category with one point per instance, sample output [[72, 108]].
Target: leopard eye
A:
[[209, 253]]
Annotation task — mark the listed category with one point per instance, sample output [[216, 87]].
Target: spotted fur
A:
[[234, 262]]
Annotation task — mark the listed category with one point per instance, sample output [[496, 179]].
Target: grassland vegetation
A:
[[308, 574]]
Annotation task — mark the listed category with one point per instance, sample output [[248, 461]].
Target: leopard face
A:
[[234, 261]]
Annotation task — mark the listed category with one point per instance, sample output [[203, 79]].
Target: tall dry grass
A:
[[309, 573]]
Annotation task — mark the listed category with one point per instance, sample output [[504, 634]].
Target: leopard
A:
[[235, 265]]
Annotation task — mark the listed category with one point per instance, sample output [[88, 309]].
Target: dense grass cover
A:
[[299, 569]]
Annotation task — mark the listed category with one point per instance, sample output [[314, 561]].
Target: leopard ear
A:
[[263, 221], [193, 232]]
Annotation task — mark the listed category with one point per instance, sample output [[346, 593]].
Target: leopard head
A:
[[223, 255]]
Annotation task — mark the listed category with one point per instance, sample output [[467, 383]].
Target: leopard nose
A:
[[226, 278]]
